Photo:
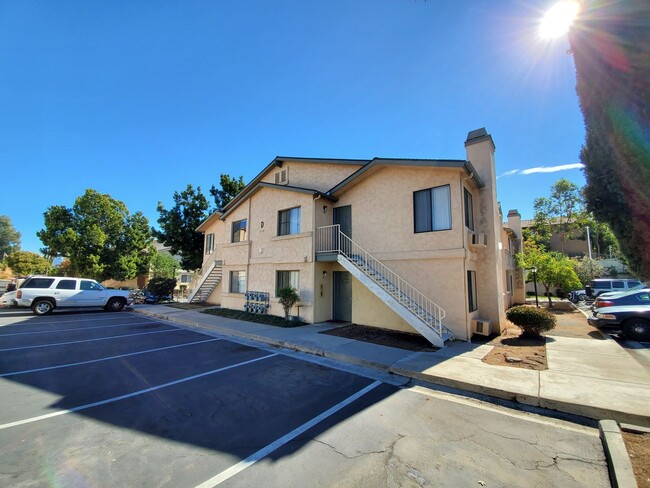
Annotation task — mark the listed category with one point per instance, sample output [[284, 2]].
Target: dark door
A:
[[342, 296], [343, 217]]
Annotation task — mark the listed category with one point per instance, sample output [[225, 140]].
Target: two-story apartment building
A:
[[405, 244]]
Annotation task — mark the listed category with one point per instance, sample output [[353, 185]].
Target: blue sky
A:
[[139, 98]]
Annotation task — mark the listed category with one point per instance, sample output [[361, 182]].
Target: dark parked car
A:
[[634, 297], [633, 320], [144, 296]]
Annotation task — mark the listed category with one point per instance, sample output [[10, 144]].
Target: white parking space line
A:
[[41, 321], [108, 358], [77, 329], [130, 395], [88, 340], [265, 451]]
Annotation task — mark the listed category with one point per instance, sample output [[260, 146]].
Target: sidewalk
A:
[[591, 378]]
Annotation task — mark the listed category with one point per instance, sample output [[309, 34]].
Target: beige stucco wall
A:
[[382, 210], [265, 252], [316, 176]]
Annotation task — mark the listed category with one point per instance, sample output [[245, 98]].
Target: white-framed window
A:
[[209, 243], [432, 209], [472, 299], [284, 279], [239, 231], [289, 221], [237, 281]]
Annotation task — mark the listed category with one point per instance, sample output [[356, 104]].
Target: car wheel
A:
[[637, 329], [114, 305], [582, 298], [42, 307]]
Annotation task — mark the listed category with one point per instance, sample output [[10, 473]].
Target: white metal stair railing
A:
[[208, 281], [330, 239]]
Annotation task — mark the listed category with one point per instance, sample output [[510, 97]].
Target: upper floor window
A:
[[432, 209], [469, 209], [239, 231], [289, 221], [209, 243]]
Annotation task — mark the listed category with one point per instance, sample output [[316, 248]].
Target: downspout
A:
[[313, 264], [464, 236]]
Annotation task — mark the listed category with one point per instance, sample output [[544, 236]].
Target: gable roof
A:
[[365, 165], [435, 163], [262, 184]]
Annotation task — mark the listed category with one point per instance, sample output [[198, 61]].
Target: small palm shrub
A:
[[288, 298], [533, 321]]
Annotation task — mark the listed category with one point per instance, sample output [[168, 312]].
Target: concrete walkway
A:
[[592, 378]]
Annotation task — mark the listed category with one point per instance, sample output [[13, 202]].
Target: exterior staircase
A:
[[207, 283], [420, 312]]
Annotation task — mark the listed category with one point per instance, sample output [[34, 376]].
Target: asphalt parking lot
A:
[[101, 399]]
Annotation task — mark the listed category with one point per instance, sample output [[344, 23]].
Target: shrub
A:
[[533, 321], [288, 298], [161, 287]]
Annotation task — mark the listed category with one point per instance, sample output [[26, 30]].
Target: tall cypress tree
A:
[[610, 42]]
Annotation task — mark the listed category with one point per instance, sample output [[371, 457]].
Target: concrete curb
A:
[[618, 461]]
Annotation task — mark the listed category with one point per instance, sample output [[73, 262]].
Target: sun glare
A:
[[558, 19]]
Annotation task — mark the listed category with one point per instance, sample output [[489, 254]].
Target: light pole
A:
[[534, 270]]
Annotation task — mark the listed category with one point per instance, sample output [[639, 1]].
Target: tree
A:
[[553, 268], [178, 226], [561, 213], [587, 270], [9, 237], [610, 42], [164, 265], [24, 263], [230, 187], [161, 287], [99, 236]]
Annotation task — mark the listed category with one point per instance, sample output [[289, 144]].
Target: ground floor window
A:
[[471, 291], [237, 281], [284, 279]]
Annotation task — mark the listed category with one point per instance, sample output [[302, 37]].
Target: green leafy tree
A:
[[554, 269], [178, 226], [24, 263], [561, 213], [610, 42], [164, 265], [230, 187], [161, 287], [99, 237], [603, 240], [587, 270], [9, 236]]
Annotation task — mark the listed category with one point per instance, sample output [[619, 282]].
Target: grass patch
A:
[[253, 317]]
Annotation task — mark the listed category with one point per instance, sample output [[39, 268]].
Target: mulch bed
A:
[[383, 337], [253, 317], [188, 306], [638, 448]]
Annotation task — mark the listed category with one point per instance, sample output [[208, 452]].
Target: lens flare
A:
[[558, 19]]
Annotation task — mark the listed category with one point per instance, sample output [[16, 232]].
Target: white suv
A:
[[45, 293]]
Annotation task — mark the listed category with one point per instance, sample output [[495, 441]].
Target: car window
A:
[[618, 284], [66, 285], [644, 297], [601, 284], [38, 283], [90, 285], [632, 284]]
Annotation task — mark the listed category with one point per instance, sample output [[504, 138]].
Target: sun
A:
[[558, 19]]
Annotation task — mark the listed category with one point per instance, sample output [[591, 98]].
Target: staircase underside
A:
[[385, 291]]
